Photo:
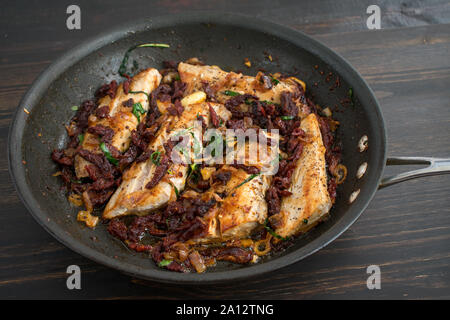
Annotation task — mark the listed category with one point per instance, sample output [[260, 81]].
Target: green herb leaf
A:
[[197, 145], [74, 108], [185, 153], [108, 155], [139, 92], [192, 172], [287, 117], [123, 65], [253, 176], [138, 110], [231, 93], [164, 263], [154, 45], [275, 81], [183, 132], [155, 157], [177, 193], [81, 138], [351, 96], [273, 233]]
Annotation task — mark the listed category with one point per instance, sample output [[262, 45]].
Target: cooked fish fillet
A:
[[121, 118], [194, 75], [310, 201], [132, 197], [245, 208], [241, 211]]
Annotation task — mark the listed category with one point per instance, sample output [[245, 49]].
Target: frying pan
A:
[[218, 39]]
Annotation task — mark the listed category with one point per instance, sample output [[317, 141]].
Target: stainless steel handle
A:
[[436, 166]]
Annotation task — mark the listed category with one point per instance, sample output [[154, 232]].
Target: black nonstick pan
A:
[[218, 39]]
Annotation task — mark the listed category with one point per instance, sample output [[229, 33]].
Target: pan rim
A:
[[88, 46]]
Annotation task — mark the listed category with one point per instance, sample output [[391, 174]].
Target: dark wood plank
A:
[[406, 228]]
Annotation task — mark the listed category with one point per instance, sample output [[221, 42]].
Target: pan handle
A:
[[436, 166]]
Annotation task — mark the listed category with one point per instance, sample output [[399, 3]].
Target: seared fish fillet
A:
[[132, 197], [310, 200], [194, 75], [241, 211], [121, 118]]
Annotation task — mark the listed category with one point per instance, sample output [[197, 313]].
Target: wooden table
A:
[[406, 228]]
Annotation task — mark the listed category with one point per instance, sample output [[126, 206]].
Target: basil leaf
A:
[[287, 117], [123, 65], [231, 93], [81, 138], [138, 110], [74, 108], [108, 155], [273, 233], [164, 263], [156, 159]]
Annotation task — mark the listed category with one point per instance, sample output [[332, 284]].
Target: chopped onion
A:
[[207, 172], [90, 220], [300, 82], [170, 77], [246, 243], [197, 261], [182, 249], [262, 243], [85, 215], [75, 199], [340, 173], [327, 112]]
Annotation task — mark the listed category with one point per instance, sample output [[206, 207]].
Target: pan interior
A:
[[225, 45]]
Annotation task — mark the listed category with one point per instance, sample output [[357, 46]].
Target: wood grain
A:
[[406, 228]]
